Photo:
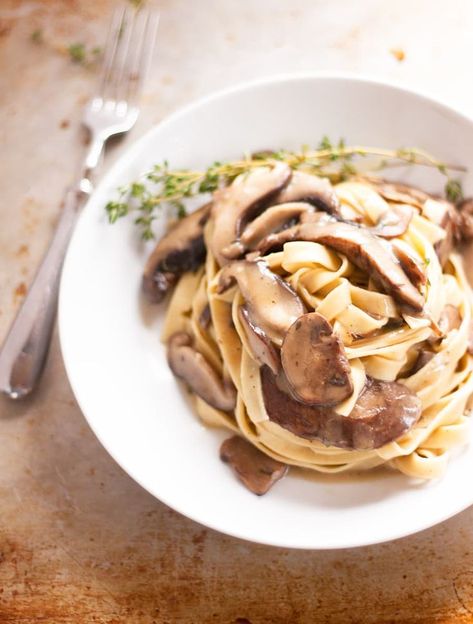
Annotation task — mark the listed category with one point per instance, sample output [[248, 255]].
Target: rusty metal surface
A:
[[79, 540]]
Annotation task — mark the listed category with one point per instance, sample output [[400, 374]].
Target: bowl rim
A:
[[123, 161]]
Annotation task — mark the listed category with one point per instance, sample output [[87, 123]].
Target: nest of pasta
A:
[[328, 326]]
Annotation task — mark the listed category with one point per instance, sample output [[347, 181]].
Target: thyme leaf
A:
[[37, 36], [453, 190], [77, 52]]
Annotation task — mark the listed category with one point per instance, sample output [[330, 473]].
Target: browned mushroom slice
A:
[[444, 214], [465, 229], [311, 189], [234, 206], [257, 471], [450, 318], [272, 304], [273, 219], [205, 317], [400, 193], [191, 366], [362, 248], [450, 224], [322, 218], [394, 222], [409, 263], [383, 413], [181, 249], [315, 363], [423, 358], [262, 350]]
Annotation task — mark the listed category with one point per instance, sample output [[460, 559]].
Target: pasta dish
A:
[[326, 325]]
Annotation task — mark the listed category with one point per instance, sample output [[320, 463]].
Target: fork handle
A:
[[24, 351]]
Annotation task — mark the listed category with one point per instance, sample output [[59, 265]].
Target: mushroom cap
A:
[[257, 471], [190, 365], [315, 363], [383, 412], [272, 304], [235, 205], [181, 249]]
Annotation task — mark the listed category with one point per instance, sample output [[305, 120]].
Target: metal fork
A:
[[112, 111]]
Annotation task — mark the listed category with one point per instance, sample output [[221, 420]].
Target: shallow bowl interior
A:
[[110, 339]]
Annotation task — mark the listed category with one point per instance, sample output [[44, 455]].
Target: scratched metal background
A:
[[79, 541]]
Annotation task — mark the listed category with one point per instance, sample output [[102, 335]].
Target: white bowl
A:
[[110, 339]]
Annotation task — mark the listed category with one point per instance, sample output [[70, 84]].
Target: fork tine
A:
[[120, 70], [113, 39], [134, 65], [142, 54]]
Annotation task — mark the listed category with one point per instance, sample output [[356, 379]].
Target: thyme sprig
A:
[[337, 161]]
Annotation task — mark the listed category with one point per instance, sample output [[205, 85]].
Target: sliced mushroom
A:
[[262, 350], [362, 248], [257, 471], [465, 230], [450, 318], [272, 304], [394, 222], [317, 217], [205, 317], [443, 213], [315, 363], [311, 189], [400, 193], [273, 219], [189, 365], [409, 263], [383, 412], [234, 206], [181, 249], [423, 358]]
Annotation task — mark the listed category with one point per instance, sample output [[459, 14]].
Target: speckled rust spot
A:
[[20, 291], [22, 250], [199, 538], [5, 28]]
